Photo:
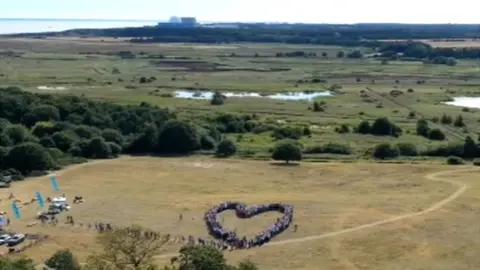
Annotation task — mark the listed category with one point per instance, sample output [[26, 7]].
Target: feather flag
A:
[[39, 199], [16, 211], [53, 180]]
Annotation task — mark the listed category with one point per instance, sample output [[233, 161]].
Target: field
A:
[[364, 89], [456, 43], [425, 214]]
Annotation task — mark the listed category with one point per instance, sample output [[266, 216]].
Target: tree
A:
[[99, 148], [341, 54], [17, 264], [287, 151], [364, 127], [436, 134], [383, 127], [126, 248], [469, 148], [115, 149], [27, 157], [355, 54], [423, 128], [226, 148], [178, 137], [201, 258], [386, 150], [17, 133], [112, 135], [317, 107], [218, 98], [63, 260], [324, 54], [459, 121], [63, 140]]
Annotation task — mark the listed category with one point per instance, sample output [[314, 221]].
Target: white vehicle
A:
[[4, 239], [15, 240]]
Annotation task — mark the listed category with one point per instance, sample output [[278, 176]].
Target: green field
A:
[[94, 67]]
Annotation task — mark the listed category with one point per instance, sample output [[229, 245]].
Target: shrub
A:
[[445, 150], [27, 157], [459, 122], [383, 127], [330, 148], [115, 149], [98, 148], [287, 150], [317, 107], [294, 133], [407, 149], [63, 259], [344, 128], [218, 98], [476, 162], [436, 135], [47, 142], [226, 148], [364, 127], [385, 151], [178, 137], [207, 142], [422, 128], [112, 135], [63, 140], [454, 160]]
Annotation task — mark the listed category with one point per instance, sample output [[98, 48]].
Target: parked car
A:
[[4, 238], [15, 240]]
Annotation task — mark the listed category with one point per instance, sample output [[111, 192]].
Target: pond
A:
[[281, 96], [468, 102]]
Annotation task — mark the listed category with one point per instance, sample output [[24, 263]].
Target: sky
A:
[[306, 11]]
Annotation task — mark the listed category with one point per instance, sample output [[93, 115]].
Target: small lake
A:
[[468, 102], [281, 96]]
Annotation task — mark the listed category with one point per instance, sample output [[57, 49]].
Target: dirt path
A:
[[432, 176]]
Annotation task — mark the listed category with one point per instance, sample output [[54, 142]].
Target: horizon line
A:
[[225, 22]]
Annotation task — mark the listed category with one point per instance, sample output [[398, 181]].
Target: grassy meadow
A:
[[95, 67], [328, 197]]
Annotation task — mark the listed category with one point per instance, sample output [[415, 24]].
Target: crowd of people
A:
[[242, 211]]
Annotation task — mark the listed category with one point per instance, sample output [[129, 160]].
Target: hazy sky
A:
[[321, 11]]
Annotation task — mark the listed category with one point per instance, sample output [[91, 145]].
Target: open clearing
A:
[[327, 197]]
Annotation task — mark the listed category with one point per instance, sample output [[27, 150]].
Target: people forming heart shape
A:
[[242, 211]]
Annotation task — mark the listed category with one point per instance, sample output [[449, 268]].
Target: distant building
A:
[[176, 22], [188, 21], [174, 19]]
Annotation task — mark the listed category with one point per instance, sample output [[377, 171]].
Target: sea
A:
[[15, 26]]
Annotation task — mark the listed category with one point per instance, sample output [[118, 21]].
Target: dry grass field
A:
[[328, 197]]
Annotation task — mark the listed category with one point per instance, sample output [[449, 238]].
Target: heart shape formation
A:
[[242, 211]]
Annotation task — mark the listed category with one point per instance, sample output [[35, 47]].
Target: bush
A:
[[330, 148], [112, 135], [385, 151], [98, 148], [407, 149], [344, 128], [47, 142], [281, 133], [287, 151], [27, 157], [436, 135], [115, 149], [207, 142], [63, 140], [383, 127], [445, 150], [226, 148], [178, 137], [218, 98], [476, 162], [453, 160], [422, 128], [364, 127], [63, 259]]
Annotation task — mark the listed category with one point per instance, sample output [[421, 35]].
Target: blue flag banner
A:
[[53, 179], [16, 211], [39, 199]]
